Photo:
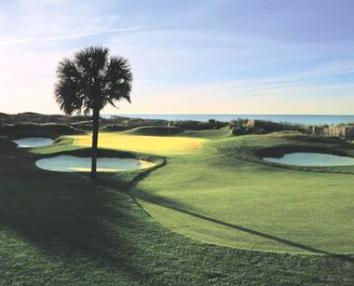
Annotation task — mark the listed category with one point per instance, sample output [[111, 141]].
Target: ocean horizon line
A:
[[267, 114], [308, 119]]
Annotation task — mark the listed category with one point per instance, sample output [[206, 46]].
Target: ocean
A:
[[296, 119]]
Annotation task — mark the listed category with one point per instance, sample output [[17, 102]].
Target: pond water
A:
[[32, 142], [68, 163], [312, 159]]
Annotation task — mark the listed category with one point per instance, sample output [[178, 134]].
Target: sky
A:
[[187, 56]]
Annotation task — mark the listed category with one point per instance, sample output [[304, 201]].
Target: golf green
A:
[[223, 193], [62, 229]]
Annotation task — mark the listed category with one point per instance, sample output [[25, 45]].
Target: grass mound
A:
[[210, 134], [155, 130], [50, 130]]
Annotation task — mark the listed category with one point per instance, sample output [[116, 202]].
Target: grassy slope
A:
[[156, 130], [217, 195], [60, 229]]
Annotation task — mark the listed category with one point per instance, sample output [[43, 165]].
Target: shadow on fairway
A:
[[158, 200], [65, 216], [63, 229]]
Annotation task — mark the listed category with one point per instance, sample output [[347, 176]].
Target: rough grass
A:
[[51, 130]]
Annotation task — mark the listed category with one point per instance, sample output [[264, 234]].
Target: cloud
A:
[[68, 37], [183, 57]]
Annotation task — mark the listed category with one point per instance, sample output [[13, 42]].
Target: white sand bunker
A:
[[32, 142], [312, 160], [68, 163]]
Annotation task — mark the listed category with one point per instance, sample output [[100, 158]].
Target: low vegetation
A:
[[51, 130], [214, 192]]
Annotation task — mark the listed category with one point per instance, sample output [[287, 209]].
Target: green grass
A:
[[225, 194], [149, 144], [154, 130], [62, 229], [51, 130]]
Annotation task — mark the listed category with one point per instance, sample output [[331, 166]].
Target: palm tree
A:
[[88, 82]]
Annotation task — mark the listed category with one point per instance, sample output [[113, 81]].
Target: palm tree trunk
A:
[[95, 119]]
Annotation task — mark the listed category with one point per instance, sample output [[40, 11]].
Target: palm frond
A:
[[92, 79], [67, 89], [118, 80]]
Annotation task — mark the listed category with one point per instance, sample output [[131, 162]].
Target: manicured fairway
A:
[[216, 195], [62, 229], [212, 194], [235, 203], [145, 144]]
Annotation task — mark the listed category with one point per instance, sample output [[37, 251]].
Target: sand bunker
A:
[[32, 142], [312, 160], [68, 163]]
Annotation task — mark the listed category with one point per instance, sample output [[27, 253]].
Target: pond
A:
[[306, 159], [33, 142], [68, 163]]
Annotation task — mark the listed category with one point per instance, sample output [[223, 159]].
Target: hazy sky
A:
[[196, 56]]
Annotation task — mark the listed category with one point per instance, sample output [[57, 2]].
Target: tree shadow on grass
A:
[[70, 221], [182, 208], [66, 216]]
